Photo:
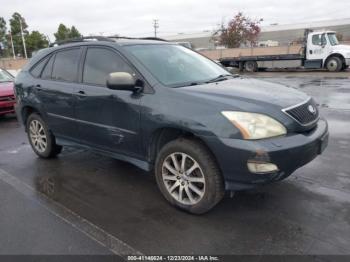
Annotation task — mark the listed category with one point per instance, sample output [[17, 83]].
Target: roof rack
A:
[[102, 38], [138, 38], [82, 39]]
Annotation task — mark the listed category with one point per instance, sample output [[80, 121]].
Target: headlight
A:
[[255, 126]]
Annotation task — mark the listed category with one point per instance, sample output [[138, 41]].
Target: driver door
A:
[[318, 47], [108, 119]]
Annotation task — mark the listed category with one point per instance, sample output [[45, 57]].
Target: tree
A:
[[74, 33], [240, 30], [63, 33], [35, 41], [16, 32], [3, 32]]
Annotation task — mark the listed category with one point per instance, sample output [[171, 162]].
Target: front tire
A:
[[188, 176], [334, 64], [40, 138]]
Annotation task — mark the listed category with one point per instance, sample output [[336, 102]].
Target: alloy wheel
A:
[[183, 178], [38, 136]]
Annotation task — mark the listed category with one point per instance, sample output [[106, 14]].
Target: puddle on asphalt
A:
[[338, 127]]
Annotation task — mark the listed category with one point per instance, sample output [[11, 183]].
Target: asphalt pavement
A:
[[83, 203]]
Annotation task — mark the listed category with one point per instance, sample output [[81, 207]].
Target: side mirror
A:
[[121, 81]]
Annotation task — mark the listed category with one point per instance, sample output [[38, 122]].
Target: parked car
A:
[[166, 108], [7, 97]]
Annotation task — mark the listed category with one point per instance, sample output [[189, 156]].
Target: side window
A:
[[38, 68], [46, 74], [319, 39], [99, 62], [316, 39], [65, 66]]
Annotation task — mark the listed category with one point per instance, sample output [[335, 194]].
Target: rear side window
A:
[[65, 67], [38, 68], [46, 74], [99, 63]]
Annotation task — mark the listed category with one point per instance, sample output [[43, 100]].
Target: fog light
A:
[[261, 168]]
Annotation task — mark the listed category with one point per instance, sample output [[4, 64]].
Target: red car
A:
[[7, 97]]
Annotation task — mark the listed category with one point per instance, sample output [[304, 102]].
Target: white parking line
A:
[[89, 229]]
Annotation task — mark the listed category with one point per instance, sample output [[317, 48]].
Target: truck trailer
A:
[[320, 49]]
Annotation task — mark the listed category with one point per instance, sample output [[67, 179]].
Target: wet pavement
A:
[[83, 203]]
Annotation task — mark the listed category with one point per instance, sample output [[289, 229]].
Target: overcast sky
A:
[[134, 17]]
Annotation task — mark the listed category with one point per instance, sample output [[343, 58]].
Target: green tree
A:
[[240, 30], [74, 33], [16, 32], [35, 41], [64, 32], [3, 33]]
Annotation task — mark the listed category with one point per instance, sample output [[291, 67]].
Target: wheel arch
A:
[[340, 56], [164, 135], [26, 111]]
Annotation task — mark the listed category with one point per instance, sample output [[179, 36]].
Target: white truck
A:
[[321, 49]]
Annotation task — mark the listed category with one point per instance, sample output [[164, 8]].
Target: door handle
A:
[[81, 92], [38, 87]]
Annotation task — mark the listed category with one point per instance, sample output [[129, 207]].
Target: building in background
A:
[[282, 34]]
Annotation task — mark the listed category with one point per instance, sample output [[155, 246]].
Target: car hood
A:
[[6, 89], [247, 93], [341, 48]]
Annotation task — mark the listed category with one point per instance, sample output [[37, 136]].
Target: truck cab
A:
[[324, 51]]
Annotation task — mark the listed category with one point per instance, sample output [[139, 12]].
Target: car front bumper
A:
[[288, 153], [7, 107], [347, 61]]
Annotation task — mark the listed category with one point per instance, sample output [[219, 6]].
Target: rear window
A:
[[38, 68], [65, 67]]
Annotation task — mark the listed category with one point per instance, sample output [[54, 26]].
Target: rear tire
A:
[[195, 191], [334, 64], [41, 139], [251, 66]]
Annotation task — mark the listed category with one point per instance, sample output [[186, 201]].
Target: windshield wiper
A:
[[222, 77]]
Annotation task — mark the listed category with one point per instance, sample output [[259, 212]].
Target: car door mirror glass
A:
[[121, 81]]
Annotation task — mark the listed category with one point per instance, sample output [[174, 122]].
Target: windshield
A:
[[175, 65], [5, 76], [333, 39]]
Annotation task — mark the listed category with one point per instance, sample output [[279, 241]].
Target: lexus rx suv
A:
[[170, 110]]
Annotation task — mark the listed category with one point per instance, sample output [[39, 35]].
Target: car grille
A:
[[305, 113], [7, 98]]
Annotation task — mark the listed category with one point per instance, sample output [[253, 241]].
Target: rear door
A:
[[108, 119], [55, 90]]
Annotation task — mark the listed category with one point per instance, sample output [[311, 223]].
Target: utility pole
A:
[[155, 26], [23, 41], [13, 48]]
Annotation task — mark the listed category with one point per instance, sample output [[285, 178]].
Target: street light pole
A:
[[23, 41], [13, 48], [155, 26]]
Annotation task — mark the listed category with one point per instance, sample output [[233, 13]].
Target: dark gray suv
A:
[[166, 108]]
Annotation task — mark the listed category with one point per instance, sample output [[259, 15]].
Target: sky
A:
[[135, 17]]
